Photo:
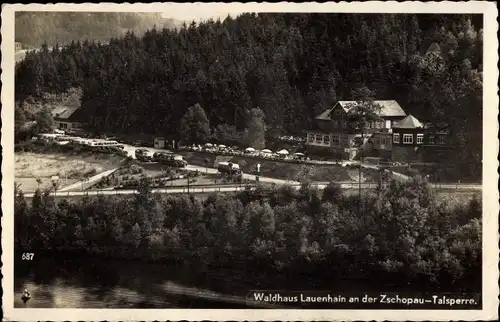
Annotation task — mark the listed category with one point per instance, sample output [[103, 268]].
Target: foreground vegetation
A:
[[400, 235]]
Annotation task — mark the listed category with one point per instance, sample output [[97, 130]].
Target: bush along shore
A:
[[400, 236]]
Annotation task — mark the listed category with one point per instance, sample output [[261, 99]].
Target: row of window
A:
[[368, 125], [327, 139], [338, 124], [383, 140], [408, 139]]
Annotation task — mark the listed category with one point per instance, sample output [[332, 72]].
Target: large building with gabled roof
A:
[[396, 136], [334, 133]]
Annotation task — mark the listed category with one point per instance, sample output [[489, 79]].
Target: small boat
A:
[[26, 296]]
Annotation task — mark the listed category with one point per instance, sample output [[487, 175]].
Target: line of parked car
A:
[[166, 158], [282, 154]]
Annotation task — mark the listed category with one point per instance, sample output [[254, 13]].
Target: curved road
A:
[[130, 149], [235, 187]]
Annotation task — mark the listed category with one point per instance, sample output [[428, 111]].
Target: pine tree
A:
[[256, 129], [194, 125]]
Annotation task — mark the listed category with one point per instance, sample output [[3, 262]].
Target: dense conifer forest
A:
[[290, 66]]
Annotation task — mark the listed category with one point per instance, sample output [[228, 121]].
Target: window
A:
[[441, 139], [431, 139], [326, 139], [378, 141], [378, 125], [335, 124], [396, 138], [335, 140], [420, 138], [345, 141], [311, 138], [337, 112], [407, 138], [319, 138], [344, 125]]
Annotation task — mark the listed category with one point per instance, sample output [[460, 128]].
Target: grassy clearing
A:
[[283, 170], [31, 166], [28, 185], [202, 180]]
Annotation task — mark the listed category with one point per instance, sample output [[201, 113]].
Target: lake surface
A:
[[121, 284], [103, 283]]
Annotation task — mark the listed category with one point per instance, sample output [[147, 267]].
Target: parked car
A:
[[174, 160], [143, 155], [169, 159], [160, 157]]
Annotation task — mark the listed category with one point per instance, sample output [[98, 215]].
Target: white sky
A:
[[202, 11]]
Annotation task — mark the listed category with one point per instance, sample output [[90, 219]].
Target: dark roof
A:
[[409, 122], [389, 108], [434, 47], [64, 112], [326, 114]]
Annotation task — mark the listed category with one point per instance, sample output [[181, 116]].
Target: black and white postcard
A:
[[250, 161]]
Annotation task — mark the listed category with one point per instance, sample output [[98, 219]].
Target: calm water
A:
[[101, 283], [122, 284]]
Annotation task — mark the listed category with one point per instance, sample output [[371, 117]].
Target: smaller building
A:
[[66, 118], [407, 137], [412, 141], [159, 143]]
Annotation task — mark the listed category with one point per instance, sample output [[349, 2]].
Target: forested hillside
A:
[[291, 66], [35, 28]]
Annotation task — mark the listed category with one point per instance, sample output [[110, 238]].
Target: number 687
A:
[[27, 256]]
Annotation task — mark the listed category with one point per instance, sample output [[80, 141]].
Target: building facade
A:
[[335, 134], [412, 141], [67, 118], [395, 137]]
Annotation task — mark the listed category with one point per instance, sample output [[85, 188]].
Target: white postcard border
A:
[[490, 165]]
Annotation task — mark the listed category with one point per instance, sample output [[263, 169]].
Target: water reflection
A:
[[111, 284]]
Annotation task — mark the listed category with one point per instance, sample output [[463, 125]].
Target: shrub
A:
[[400, 235]]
